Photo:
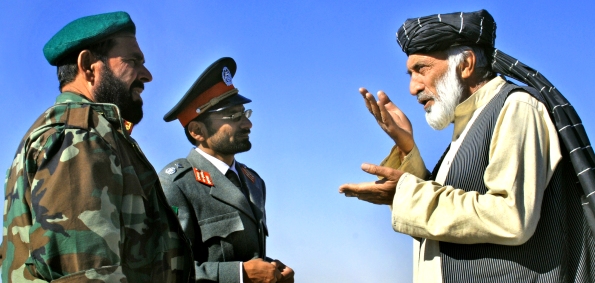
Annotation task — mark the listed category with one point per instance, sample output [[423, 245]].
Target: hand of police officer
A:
[[390, 118], [260, 271], [379, 192], [286, 271]]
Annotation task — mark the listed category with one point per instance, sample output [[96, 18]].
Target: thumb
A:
[[386, 172]]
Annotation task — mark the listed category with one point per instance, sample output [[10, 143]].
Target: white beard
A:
[[450, 91]]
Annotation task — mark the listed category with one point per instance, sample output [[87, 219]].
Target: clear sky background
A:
[[301, 62]]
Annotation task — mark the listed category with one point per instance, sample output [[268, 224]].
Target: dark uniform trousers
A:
[[223, 225]]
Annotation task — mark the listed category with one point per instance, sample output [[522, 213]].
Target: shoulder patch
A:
[[174, 169], [203, 177], [170, 170]]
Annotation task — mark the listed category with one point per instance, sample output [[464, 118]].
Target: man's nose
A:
[[245, 123], [415, 86], [144, 75]]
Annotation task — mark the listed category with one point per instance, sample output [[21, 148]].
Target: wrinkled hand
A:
[[260, 271], [286, 271], [379, 192], [390, 118]]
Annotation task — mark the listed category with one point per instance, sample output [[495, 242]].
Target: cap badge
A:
[[203, 177], [170, 170], [226, 74]]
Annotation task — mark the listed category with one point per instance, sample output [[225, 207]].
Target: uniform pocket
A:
[[215, 232], [221, 225]]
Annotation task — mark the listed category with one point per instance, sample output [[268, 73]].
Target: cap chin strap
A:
[[216, 100]]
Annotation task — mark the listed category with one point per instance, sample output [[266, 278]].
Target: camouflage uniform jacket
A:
[[82, 203]]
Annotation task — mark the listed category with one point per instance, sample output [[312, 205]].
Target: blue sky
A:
[[301, 62]]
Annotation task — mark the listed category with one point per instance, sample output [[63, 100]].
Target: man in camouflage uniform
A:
[[82, 201]]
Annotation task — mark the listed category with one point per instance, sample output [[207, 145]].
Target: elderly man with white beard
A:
[[503, 204]]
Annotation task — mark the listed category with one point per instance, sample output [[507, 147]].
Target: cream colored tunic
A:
[[524, 152]]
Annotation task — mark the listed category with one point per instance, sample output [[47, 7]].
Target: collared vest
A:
[[562, 248]]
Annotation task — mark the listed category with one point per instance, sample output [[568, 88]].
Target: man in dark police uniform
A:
[[219, 201], [512, 197], [83, 204]]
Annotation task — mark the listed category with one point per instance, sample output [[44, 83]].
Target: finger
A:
[[383, 97], [370, 102], [288, 272], [373, 198], [386, 172], [353, 190], [390, 106], [278, 264], [373, 106], [278, 275], [364, 92], [385, 117]]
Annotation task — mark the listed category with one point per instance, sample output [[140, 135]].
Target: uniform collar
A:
[[220, 165], [111, 112]]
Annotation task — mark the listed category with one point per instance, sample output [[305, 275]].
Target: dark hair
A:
[[203, 118], [68, 66]]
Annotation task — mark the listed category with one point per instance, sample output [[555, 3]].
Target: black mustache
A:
[[244, 132], [138, 84]]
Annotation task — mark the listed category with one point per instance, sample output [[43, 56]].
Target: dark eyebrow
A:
[[138, 56]]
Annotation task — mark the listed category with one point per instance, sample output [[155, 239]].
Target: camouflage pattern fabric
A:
[[83, 204]]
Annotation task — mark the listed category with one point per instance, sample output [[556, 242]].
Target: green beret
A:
[[83, 32]]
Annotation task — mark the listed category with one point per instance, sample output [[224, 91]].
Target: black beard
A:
[[224, 146], [113, 90]]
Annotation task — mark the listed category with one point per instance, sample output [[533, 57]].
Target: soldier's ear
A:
[[87, 65], [198, 131]]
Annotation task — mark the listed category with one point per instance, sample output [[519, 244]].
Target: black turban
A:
[[439, 32]]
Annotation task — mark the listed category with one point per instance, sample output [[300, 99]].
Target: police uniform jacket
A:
[[224, 227]]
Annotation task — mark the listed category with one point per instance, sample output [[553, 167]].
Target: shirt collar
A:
[[464, 111], [220, 165]]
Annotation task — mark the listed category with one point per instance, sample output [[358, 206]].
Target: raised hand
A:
[[390, 118]]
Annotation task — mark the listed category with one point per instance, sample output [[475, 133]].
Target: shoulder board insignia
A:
[[170, 170], [248, 174], [203, 177]]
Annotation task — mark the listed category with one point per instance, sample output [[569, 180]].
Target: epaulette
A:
[[174, 169]]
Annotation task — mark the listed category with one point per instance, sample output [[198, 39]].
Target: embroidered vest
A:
[[562, 249]]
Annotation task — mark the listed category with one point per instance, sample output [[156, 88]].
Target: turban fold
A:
[[439, 32]]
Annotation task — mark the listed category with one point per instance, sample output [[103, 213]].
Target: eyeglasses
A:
[[235, 117]]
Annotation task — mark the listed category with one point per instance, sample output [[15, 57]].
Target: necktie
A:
[[233, 177]]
